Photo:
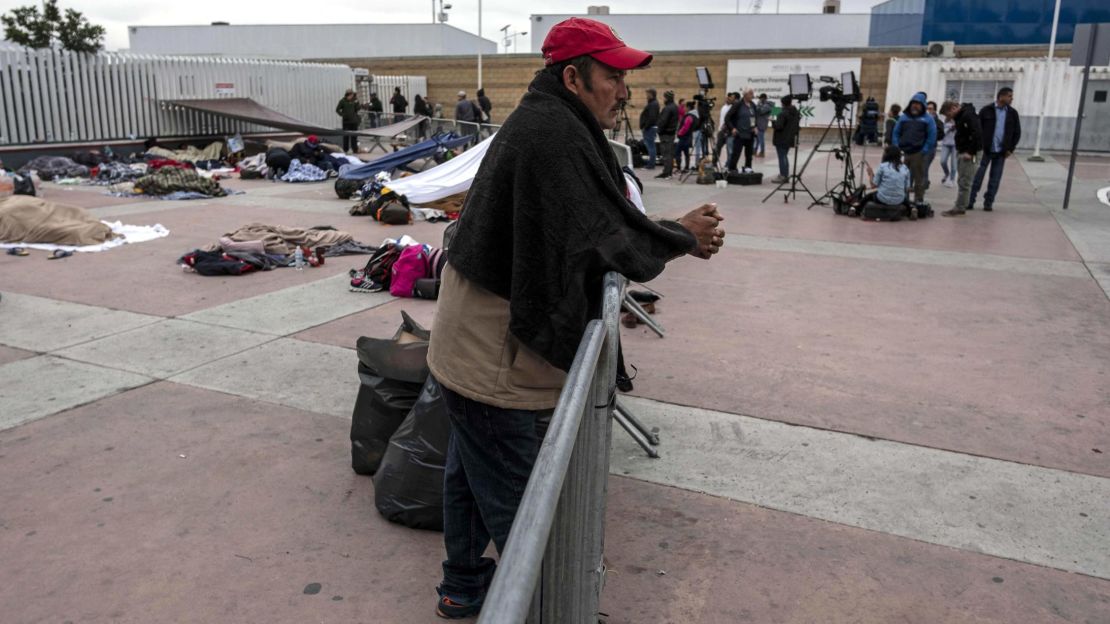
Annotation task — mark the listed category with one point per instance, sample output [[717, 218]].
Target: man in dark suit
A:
[[1001, 134]]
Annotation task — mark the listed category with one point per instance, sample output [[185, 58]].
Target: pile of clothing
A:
[[168, 180], [116, 172], [50, 167]]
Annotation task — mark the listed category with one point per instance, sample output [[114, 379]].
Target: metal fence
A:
[[552, 570], [56, 96]]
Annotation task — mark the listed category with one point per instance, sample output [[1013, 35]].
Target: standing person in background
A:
[[762, 119], [649, 125], [347, 109], [485, 105], [399, 104], [891, 119], [1001, 135], [485, 112], [786, 126], [375, 110], [948, 144], [915, 134], [931, 108], [420, 107], [741, 124], [668, 126], [466, 112], [724, 138], [686, 131], [969, 140]]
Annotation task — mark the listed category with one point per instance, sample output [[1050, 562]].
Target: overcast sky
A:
[[117, 15]]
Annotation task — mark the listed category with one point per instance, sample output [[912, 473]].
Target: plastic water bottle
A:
[[298, 259]]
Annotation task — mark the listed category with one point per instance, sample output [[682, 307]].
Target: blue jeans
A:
[[948, 161], [697, 147], [489, 459], [997, 162], [650, 134], [784, 160], [760, 144]]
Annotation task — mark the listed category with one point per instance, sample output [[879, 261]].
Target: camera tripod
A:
[[794, 180], [623, 124], [842, 151]]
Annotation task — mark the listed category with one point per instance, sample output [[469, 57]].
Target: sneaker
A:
[[954, 213], [987, 207], [361, 284], [971, 207], [913, 213], [451, 609], [949, 183], [661, 175]]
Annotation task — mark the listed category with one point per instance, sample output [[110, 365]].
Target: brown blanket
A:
[[26, 219], [278, 239]]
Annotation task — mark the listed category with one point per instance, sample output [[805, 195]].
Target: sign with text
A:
[[225, 88], [771, 77]]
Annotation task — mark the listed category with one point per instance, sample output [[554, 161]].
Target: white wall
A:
[[308, 41], [727, 31], [1031, 77]]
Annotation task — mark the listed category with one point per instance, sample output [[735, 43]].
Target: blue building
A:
[[980, 22]]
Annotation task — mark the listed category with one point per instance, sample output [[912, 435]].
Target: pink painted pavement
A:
[[105, 520]]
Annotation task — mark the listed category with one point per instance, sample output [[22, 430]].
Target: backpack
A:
[[412, 264], [379, 268], [392, 212]]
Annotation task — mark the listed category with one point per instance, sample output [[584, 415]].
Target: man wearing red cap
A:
[[548, 214]]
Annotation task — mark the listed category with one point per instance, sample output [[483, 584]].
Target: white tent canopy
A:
[[450, 178]]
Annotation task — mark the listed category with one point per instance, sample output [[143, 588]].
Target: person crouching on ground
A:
[[548, 214], [892, 181], [969, 140], [916, 135]]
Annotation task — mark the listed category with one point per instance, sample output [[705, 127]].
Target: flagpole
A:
[[1036, 157]]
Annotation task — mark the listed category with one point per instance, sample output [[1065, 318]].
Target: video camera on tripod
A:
[[842, 93]]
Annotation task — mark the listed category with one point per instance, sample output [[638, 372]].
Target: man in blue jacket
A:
[[1001, 134], [915, 134]]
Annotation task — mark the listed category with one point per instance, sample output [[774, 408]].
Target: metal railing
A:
[[431, 126], [551, 570]]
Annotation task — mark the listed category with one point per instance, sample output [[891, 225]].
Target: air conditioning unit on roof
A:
[[941, 49]]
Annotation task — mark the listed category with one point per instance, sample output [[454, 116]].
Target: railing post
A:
[[570, 584]]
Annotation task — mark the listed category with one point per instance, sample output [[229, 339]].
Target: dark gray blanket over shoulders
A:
[[547, 216]]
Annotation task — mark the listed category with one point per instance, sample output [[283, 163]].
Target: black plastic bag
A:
[[408, 487], [392, 372]]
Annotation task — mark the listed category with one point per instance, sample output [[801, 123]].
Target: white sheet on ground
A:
[[128, 234], [450, 178]]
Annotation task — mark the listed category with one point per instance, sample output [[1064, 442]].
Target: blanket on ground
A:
[[25, 219], [548, 214], [189, 154], [169, 179], [279, 239], [50, 167]]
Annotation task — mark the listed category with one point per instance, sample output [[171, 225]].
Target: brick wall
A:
[[506, 76]]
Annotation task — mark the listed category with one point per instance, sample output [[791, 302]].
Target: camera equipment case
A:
[[745, 179]]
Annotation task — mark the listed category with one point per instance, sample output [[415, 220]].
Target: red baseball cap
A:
[[576, 36]]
